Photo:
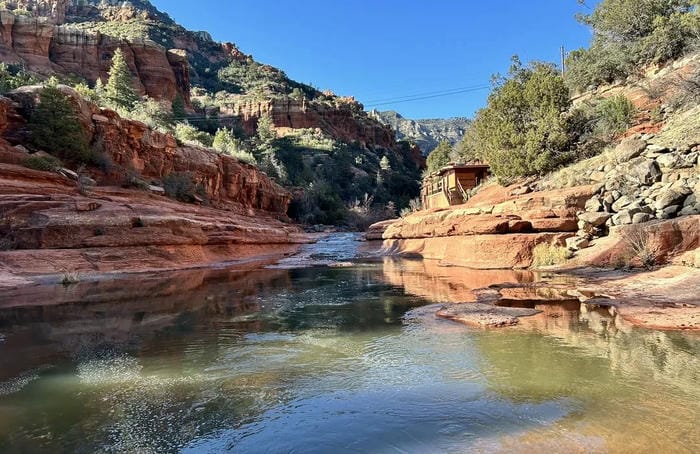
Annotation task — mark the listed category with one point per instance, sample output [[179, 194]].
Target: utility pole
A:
[[563, 62]]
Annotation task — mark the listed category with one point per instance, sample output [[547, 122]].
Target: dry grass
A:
[[69, 277], [575, 174], [682, 129], [549, 255], [640, 246]]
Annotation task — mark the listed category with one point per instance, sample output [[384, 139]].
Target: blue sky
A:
[[380, 50]]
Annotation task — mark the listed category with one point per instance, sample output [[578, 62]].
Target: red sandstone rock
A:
[[554, 225], [485, 315], [510, 251], [337, 119], [666, 239], [375, 231], [227, 182], [492, 230], [45, 47], [130, 231]]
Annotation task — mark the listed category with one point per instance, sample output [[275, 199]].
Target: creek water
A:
[[323, 359]]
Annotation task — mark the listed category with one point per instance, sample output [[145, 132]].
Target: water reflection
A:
[[323, 359]]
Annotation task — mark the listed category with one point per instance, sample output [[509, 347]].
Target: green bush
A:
[[615, 115], [630, 33], [522, 131], [14, 76], [244, 156], [150, 112], [43, 163], [180, 186], [55, 127], [601, 64], [188, 134]]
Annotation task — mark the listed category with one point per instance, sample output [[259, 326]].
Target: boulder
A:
[[670, 160], [690, 210], [644, 172], [640, 218], [629, 149], [484, 315], [622, 202], [68, 173], [156, 189], [669, 211], [669, 197], [595, 219], [577, 243], [594, 204], [622, 218]]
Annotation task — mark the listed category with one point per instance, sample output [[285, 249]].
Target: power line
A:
[[376, 102], [419, 98], [429, 93]]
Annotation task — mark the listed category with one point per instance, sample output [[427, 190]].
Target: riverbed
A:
[[327, 353]]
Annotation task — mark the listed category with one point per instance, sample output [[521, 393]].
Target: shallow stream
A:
[[323, 359]]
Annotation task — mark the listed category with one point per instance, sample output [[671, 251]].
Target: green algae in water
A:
[[328, 360]]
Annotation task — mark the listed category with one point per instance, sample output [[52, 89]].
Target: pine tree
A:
[[384, 164], [100, 89], [178, 106], [55, 127], [265, 134], [120, 88], [225, 142]]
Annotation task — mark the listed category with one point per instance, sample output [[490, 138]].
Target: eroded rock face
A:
[[338, 119], [227, 182], [45, 47], [48, 226], [494, 230]]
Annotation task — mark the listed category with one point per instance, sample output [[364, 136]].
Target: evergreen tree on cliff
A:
[[178, 108], [120, 87], [55, 127], [439, 157]]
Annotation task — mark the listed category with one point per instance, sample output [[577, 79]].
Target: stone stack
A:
[[646, 182]]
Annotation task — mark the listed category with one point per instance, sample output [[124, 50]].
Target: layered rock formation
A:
[[42, 46], [226, 181], [48, 227], [51, 224], [340, 120], [496, 229]]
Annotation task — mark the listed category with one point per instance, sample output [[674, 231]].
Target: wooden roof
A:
[[449, 167]]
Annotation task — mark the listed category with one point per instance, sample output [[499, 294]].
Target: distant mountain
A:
[[427, 134]]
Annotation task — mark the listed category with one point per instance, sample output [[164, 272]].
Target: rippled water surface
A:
[[325, 359]]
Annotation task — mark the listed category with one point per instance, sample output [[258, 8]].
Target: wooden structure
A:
[[451, 184]]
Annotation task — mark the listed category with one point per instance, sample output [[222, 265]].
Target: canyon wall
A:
[[340, 120], [49, 223], [133, 145], [44, 47]]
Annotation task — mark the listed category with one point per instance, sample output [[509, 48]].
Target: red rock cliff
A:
[[45, 47], [48, 225], [338, 119], [133, 145]]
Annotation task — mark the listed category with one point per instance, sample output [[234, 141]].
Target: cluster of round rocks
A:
[[646, 182]]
